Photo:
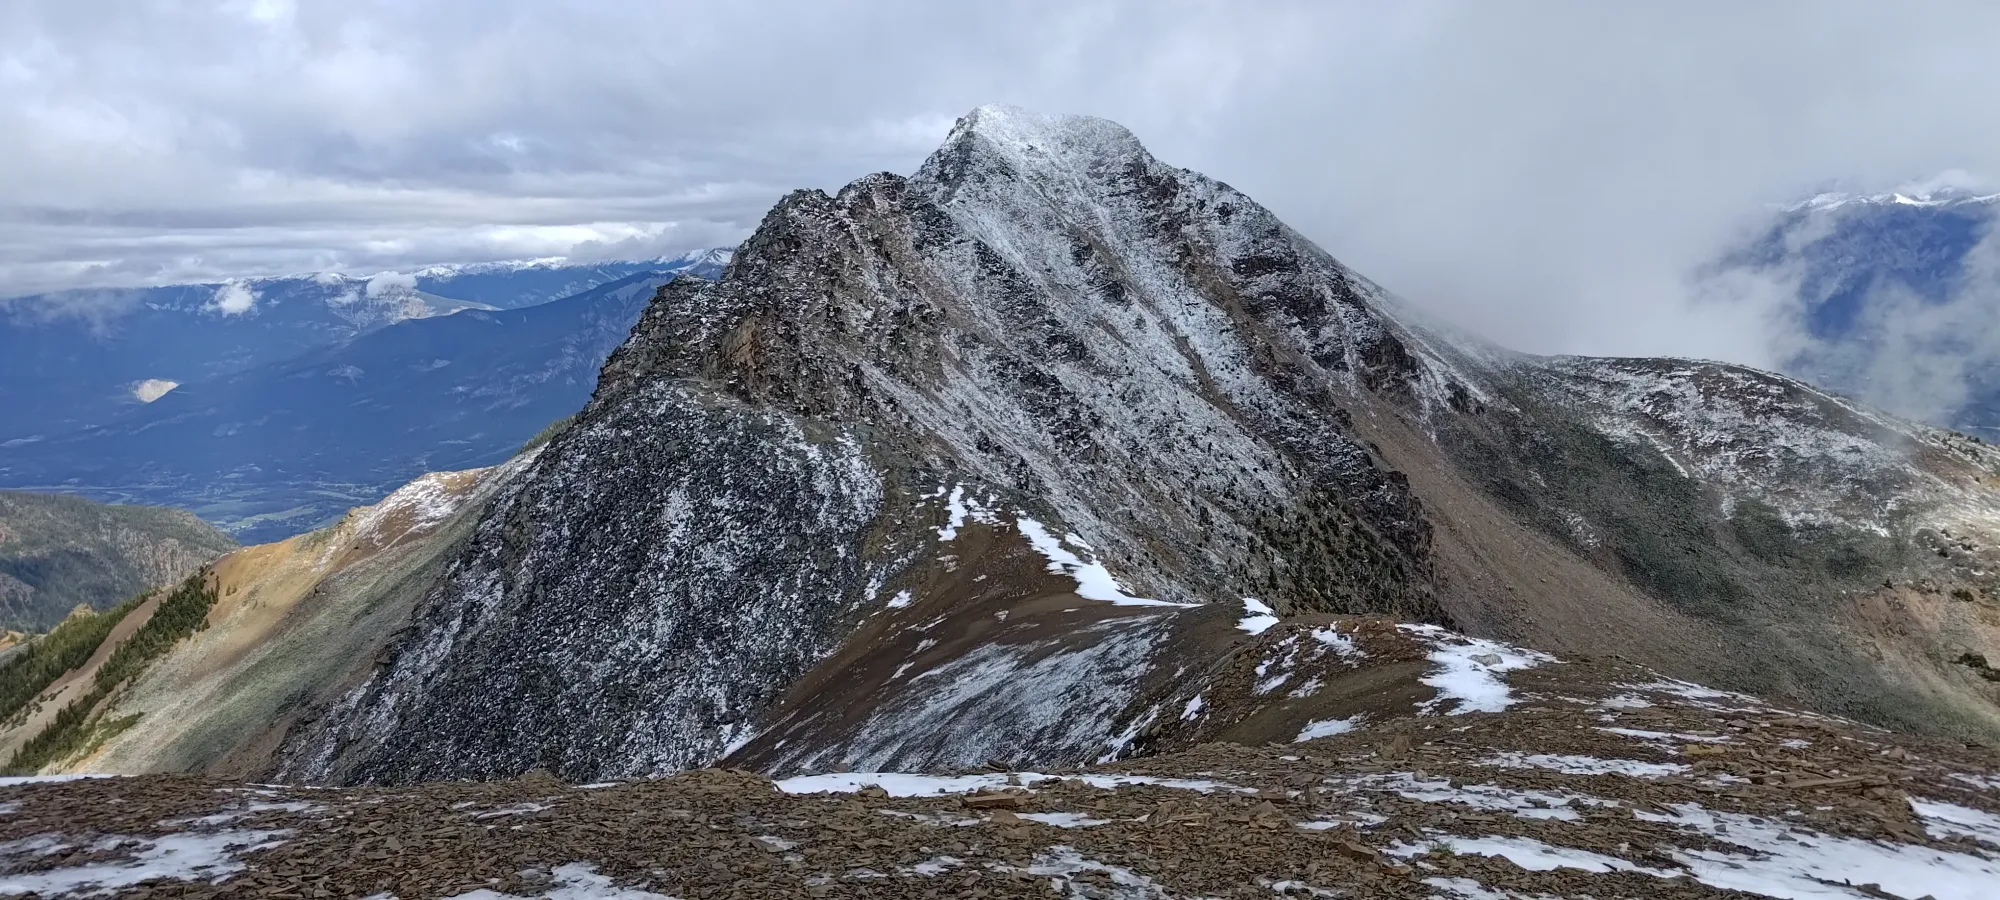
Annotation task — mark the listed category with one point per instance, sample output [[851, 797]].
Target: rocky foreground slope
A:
[[1477, 771]]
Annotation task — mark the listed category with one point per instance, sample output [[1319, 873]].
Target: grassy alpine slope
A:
[[81, 725]]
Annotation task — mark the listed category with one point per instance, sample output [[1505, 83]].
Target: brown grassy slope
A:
[[294, 623]]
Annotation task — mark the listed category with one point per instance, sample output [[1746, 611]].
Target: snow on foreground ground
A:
[[1526, 777]]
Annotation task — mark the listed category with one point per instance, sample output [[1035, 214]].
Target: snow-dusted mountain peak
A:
[[1017, 130], [1055, 152], [1950, 196]]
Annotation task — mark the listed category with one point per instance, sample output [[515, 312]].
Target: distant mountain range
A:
[[325, 394], [511, 285], [75, 359], [1896, 300]]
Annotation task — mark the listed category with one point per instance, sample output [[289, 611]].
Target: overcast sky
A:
[[1546, 173]]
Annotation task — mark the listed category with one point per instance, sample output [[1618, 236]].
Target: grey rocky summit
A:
[[969, 463]]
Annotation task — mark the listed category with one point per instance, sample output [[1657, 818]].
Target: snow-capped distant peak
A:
[[448, 270], [1941, 197], [717, 256], [710, 256]]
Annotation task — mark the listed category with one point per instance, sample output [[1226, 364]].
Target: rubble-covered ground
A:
[[1593, 779]]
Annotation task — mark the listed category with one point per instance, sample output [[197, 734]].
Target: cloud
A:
[[232, 298], [387, 282], [1550, 174], [98, 310], [1935, 358]]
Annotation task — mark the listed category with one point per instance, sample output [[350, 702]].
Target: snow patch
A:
[[181, 857], [1257, 617], [518, 809], [1666, 736], [1780, 862], [1468, 669], [1529, 854], [997, 698], [1582, 765], [736, 736], [1064, 819], [1702, 697], [960, 509], [1093, 580], [1060, 862], [906, 784], [575, 881], [1529, 804], [900, 784], [1199, 785], [1326, 728], [1989, 782], [1342, 645], [936, 865], [1624, 701], [1943, 820]]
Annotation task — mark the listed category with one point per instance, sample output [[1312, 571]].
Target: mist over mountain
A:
[[1892, 298]]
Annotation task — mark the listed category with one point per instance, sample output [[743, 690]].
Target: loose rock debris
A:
[[1775, 804]]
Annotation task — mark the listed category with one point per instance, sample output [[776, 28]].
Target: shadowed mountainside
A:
[[59, 552]]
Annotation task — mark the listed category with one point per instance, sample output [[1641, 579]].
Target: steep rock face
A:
[[669, 561], [1066, 318], [931, 470]]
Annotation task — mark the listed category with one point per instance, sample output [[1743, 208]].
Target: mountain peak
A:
[[1010, 141], [1017, 128], [1949, 196]]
